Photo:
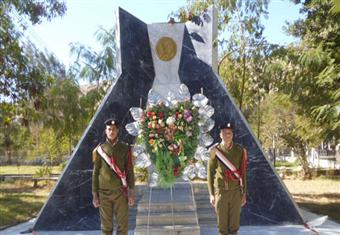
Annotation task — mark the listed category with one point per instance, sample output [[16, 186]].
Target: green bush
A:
[[43, 171]]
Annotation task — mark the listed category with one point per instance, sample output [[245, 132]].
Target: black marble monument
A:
[[69, 206]]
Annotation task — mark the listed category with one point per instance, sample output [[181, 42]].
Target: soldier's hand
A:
[[212, 200], [131, 198], [95, 201], [243, 200]]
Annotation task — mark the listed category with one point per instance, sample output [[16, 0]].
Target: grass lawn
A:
[[285, 164], [26, 169], [320, 195], [19, 201]]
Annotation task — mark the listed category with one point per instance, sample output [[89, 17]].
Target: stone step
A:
[[205, 212], [166, 207], [205, 205], [207, 220], [168, 230], [202, 202], [202, 194], [200, 190], [182, 218], [206, 215], [204, 220], [200, 187], [180, 193], [211, 223]]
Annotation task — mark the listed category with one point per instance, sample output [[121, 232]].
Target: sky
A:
[[84, 17]]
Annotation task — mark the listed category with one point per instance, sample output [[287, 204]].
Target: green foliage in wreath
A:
[[171, 138]]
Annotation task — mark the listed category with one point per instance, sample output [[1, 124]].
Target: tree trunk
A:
[[243, 81], [307, 173], [69, 145], [7, 144], [225, 56], [258, 116], [8, 156]]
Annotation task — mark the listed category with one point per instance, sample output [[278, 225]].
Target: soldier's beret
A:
[[111, 121], [227, 125]]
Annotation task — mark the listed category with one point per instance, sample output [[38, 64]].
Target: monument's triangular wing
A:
[[69, 206], [269, 202]]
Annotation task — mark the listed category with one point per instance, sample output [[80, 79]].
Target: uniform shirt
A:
[[103, 177], [216, 169]]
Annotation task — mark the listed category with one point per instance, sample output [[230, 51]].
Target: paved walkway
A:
[[328, 228]]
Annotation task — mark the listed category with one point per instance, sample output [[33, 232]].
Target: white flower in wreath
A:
[[170, 120]]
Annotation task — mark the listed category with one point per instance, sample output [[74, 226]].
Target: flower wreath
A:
[[172, 135], [166, 131]]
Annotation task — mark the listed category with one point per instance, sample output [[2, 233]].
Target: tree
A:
[[257, 82], [63, 111], [314, 77], [47, 147], [13, 137], [98, 67], [19, 78], [90, 100], [308, 74], [283, 127]]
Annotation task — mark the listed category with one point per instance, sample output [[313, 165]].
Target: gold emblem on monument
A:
[[166, 48]]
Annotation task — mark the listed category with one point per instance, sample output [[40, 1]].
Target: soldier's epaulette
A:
[[94, 153], [239, 146], [127, 144], [130, 146], [123, 145], [213, 153], [213, 150]]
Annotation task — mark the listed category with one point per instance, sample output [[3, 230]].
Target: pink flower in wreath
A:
[[188, 119], [187, 115]]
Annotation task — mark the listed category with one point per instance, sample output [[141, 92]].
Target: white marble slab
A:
[[206, 50], [166, 78]]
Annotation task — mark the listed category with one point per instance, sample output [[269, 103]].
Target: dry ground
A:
[[319, 195], [20, 201]]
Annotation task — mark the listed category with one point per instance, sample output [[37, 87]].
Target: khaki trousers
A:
[[113, 203], [228, 210]]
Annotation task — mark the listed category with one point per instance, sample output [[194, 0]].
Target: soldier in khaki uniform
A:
[[109, 190], [227, 185]]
